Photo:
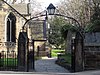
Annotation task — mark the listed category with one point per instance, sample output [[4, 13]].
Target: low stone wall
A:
[[42, 53], [92, 57]]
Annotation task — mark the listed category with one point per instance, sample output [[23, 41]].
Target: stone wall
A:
[[92, 50], [92, 57], [2, 26], [41, 50]]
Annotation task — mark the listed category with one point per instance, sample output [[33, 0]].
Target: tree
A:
[[68, 27], [93, 26], [55, 37], [78, 9]]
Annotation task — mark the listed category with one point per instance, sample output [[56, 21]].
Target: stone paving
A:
[[48, 65]]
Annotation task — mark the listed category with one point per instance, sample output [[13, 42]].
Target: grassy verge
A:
[[67, 58], [55, 52], [64, 60]]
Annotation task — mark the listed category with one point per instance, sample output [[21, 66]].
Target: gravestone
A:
[[22, 51]]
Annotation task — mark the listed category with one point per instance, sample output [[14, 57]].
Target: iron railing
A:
[[8, 56]]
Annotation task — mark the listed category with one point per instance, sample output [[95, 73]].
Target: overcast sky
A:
[[45, 3]]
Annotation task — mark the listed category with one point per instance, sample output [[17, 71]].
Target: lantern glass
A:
[[51, 9]]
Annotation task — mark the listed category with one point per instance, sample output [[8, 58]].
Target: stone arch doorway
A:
[[11, 28]]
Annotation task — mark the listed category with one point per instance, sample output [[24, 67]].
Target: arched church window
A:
[[11, 28]]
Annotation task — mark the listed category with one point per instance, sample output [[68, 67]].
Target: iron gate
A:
[[8, 56]]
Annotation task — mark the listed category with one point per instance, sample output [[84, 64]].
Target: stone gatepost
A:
[[23, 51], [77, 53]]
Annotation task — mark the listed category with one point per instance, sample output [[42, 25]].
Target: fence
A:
[[8, 56]]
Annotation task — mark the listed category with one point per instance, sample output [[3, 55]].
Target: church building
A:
[[10, 25]]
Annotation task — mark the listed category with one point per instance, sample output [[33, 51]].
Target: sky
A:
[[45, 3]]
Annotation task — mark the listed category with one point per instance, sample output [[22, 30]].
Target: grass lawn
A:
[[55, 52], [66, 57]]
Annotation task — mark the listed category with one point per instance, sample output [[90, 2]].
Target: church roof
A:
[[21, 8]]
